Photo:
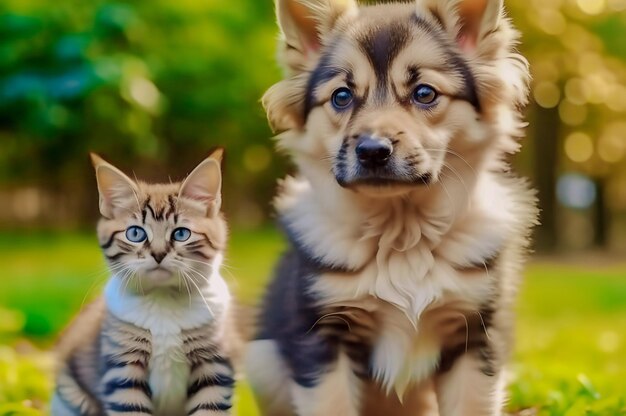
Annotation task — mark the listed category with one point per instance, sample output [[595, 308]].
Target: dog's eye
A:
[[424, 94], [342, 98]]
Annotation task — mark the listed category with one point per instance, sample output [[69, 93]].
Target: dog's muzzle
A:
[[373, 152]]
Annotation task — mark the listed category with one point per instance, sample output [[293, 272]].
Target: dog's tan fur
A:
[[422, 261]]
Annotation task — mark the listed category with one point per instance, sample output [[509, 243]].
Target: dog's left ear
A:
[[468, 21], [303, 24]]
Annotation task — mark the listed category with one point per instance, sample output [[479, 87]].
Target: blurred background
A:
[[153, 86]]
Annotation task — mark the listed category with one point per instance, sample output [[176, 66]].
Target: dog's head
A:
[[380, 96]]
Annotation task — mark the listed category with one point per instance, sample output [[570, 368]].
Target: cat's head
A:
[[162, 235]]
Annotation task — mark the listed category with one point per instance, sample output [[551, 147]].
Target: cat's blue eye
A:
[[181, 234], [136, 234]]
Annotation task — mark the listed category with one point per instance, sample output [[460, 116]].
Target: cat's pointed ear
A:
[[204, 183], [117, 191], [469, 21], [303, 23]]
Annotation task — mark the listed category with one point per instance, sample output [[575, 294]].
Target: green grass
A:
[[571, 331]]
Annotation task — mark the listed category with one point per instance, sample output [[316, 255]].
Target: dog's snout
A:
[[373, 152]]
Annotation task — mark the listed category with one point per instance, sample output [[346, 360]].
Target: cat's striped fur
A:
[[159, 342]]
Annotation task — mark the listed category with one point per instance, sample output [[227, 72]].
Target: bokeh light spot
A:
[[608, 341], [576, 191], [579, 147], [617, 5], [572, 114], [552, 22], [591, 6], [595, 88], [574, 91], [144, 93], [616, 99], [547, 94], [612, 143]]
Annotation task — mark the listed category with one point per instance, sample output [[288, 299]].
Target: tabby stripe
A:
[[126, 384], [220, 380], [217, 407], [194, 245], [70, 391], [172, 209], [128, 408], [200, 254], [109, 243], [144, 211], [215, 359], [209, 242], [115, 256], [113, 362], [200, 355]]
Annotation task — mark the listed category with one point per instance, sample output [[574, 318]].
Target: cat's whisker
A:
[[224, 267], [453, 153], [201, 262], [184, 265], [100, 277], [127, 278], [202, 296], [200, 275], [184, 278], [458, 176]]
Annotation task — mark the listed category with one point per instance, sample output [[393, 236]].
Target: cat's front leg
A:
[[125, 354], [211, 378]]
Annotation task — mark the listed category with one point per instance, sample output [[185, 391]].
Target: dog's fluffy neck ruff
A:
[[394, 244]]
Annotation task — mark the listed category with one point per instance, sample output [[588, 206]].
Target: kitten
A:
[[158, 341]]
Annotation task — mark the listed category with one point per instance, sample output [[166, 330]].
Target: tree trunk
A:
[[546, 149]]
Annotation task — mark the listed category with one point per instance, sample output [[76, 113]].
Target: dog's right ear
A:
[[303, 24]]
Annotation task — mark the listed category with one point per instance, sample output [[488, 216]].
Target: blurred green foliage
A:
[[154, 85], [138, 81]]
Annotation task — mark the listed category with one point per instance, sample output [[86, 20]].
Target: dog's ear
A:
[[468, 21], [303, 24]]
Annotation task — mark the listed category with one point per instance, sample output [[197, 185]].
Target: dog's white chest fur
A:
[[166, 316], [410, 258]]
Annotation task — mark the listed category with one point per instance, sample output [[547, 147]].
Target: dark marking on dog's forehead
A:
[[457, 63], [382, 45], [323, 72]]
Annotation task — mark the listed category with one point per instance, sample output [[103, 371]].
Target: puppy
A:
[[407, 229]]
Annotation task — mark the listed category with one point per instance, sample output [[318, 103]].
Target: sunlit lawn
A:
[[571, 343]]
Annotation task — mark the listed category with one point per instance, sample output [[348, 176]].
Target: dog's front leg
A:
[[471, 387], [337, 391]]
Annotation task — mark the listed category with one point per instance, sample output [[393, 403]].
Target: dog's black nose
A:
[[373, 152]]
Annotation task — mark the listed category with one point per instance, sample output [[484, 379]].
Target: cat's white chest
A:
[[168, 374], [166, 317]]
